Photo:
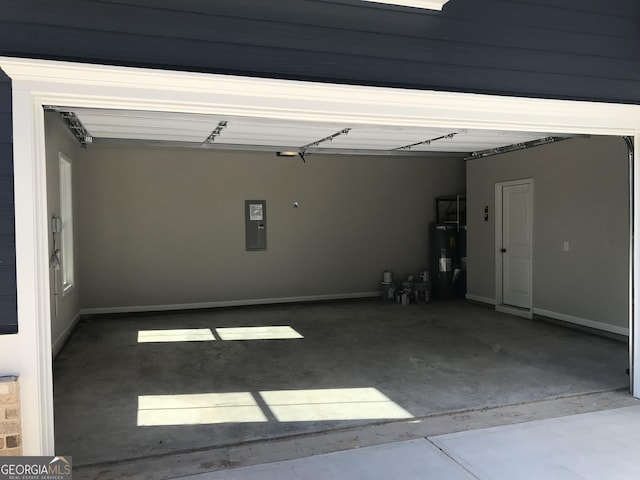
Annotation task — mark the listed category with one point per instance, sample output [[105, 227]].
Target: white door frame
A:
[[634, 271], [528, 313], [39, 82]]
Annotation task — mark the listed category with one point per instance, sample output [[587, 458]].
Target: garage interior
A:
[[168, 342]]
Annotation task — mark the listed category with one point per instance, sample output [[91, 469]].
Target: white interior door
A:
[[516, 245]]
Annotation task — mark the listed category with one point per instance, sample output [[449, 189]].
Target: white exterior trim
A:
[[582, 321], [32, 274], [85, 85], [229, 303], [39, 82], [634, 287], [426, 4]]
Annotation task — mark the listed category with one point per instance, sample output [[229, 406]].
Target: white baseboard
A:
[[477, 298], [582, 321], [518, 312], [61, 340], [226, 303], [558, 316]]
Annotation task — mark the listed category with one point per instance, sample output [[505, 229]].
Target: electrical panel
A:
[[255, 224]]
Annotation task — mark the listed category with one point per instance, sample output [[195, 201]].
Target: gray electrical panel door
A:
[[255, 224]]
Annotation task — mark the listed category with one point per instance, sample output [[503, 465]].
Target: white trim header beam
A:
[[98, 86], [426, 4]]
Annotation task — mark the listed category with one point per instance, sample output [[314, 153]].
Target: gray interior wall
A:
[[166, 226], [581, 196], [59, 139]]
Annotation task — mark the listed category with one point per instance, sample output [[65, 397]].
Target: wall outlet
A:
[[566, 246]]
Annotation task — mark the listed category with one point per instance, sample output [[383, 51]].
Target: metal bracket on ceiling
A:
[[630, 145], [74, 125], [515, 147], [216, 131], [303, 149], [427, 142]]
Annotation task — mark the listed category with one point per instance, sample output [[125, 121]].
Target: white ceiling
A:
[[276, 135]]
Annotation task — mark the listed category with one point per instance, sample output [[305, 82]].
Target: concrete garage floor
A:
[[357, 363]]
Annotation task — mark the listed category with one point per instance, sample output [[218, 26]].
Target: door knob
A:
[[503, 250]]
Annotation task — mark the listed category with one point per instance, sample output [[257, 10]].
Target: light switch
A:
[[566, 246]]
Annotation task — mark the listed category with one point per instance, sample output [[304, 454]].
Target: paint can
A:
[[422, 292], [388, 292], [406, 298]]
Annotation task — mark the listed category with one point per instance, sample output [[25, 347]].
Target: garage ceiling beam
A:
[[267, 148]]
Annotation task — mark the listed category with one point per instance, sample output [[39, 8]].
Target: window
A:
[[66, 213]]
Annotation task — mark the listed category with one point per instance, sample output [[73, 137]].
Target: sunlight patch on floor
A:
[[176, 335], [228, 334], [332, 404], [285, 405], [258, 333], [198, 409]]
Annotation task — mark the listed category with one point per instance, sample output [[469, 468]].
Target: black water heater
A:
[[445, 248], [449, 247]]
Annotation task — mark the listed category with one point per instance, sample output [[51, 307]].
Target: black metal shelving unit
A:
[[452, 210]]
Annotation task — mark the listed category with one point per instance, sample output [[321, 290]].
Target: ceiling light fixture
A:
[[426, 4]]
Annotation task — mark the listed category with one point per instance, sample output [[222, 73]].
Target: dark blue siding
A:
[[8, 305], [576, 49]]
